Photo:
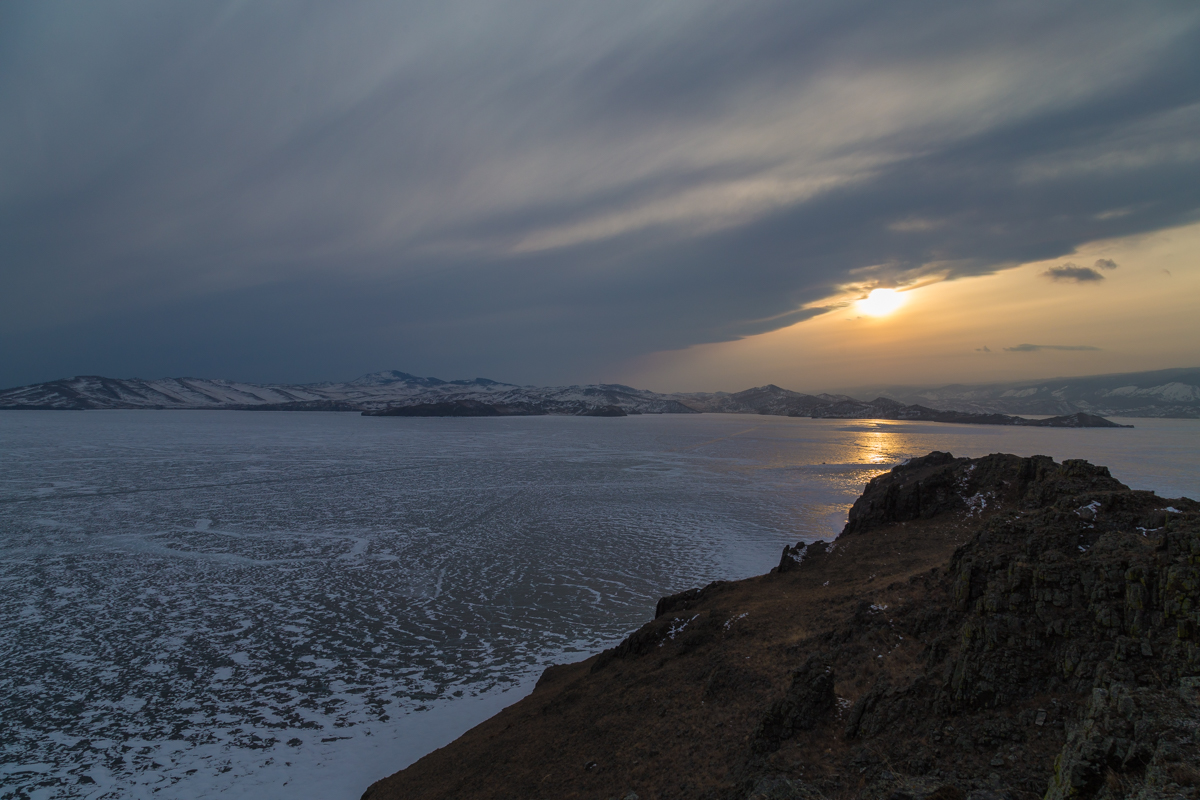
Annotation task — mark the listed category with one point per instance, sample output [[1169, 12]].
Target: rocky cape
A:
[[396, 393], [982, 629]]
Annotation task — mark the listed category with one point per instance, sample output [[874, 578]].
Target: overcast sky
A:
[[564, 192]]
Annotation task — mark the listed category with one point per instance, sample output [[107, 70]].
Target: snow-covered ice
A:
[[232, 604]]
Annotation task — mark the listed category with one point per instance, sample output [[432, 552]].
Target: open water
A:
[[258, 604]]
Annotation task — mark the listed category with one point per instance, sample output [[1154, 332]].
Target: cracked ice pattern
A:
[[200, 603]]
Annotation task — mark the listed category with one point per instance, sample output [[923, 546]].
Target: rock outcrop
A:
[[987, 628]]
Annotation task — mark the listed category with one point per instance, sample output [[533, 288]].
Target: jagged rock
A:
[[864, 706], [781, 788], [807, 701], [1067, 593], [1000, 627], [794, 555]]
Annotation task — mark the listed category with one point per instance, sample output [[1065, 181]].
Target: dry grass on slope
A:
[[943, 645]]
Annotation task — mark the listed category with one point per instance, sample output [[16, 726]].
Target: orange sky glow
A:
[[1141, 315]]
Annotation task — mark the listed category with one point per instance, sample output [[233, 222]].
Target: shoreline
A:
[[821, 680]]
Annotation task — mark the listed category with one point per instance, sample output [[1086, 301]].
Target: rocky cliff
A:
[[1000, 627]]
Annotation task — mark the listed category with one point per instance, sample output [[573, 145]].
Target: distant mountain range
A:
[[376, 391], [1165, 393], [1161, 393]]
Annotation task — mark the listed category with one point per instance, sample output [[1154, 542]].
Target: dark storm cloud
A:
[[1033, 348], [1073, 272], [295, 191]]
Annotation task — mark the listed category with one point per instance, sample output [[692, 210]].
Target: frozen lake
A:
[[265, 604]]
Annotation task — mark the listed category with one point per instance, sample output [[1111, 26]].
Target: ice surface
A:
[[271, 604]]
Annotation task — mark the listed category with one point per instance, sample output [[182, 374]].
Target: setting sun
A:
[[881, 302]]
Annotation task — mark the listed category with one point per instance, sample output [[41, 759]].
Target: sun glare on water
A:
[[881, 302]]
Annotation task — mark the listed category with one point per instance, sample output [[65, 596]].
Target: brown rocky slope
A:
[[988, 628]]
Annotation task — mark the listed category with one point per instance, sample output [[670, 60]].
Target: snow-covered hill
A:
[[769, 399], [375, 391]]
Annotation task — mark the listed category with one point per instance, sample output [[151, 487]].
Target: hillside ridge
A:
[[982, 629]]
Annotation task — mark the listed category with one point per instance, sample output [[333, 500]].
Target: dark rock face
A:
[[808, 700], [794, 556], [1133, 741], [939, 484], [1001, 627], [1073, 593], [1080, 591], [1094, 596]]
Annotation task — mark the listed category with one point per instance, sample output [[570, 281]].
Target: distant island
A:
[[883, 408], [1075, 403]]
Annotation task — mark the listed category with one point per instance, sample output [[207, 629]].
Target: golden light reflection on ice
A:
[[877, 443]]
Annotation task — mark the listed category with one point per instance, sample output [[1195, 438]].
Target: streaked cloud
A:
[[1141, 320], [461, 188]]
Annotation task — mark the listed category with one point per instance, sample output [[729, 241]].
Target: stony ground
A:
[[990, 628]]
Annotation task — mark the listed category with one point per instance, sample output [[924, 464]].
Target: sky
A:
[[675, 195]]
